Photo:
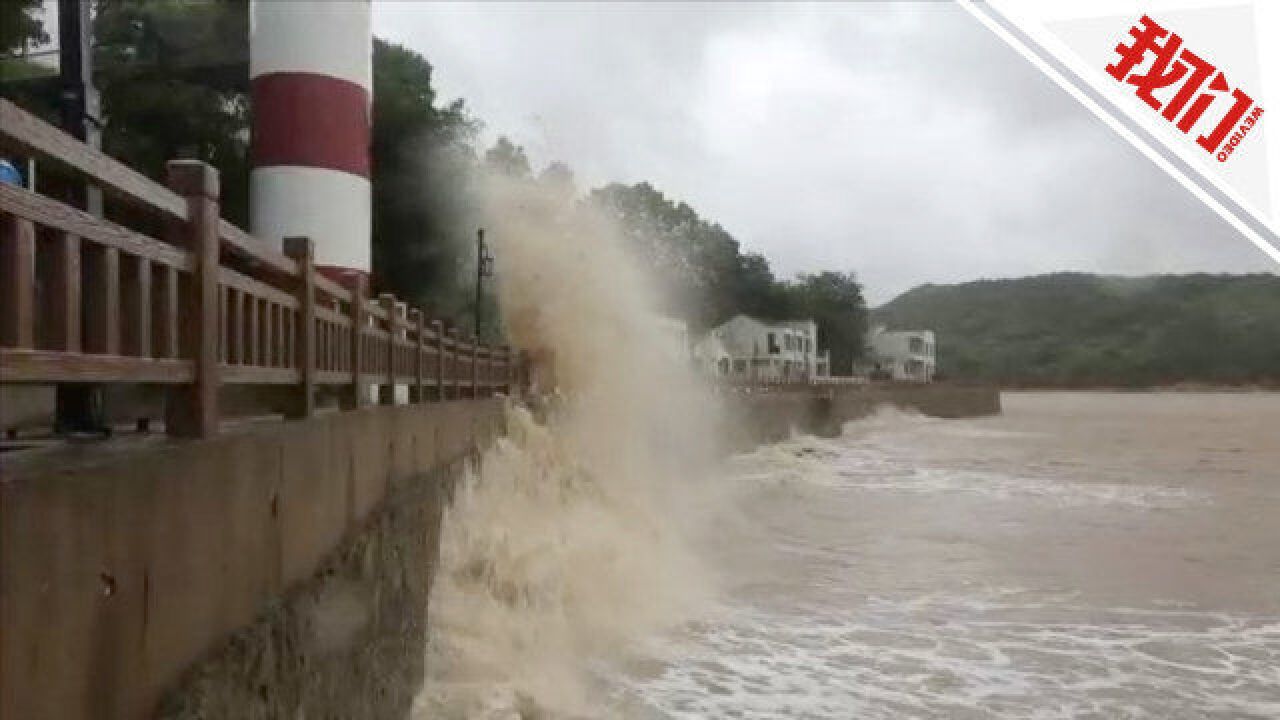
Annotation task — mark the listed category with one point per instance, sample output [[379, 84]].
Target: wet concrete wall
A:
[[756, 418], [278, 571]]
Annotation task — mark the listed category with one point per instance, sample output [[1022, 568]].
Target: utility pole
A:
[[484, 269], [78, 97], [79, 405]]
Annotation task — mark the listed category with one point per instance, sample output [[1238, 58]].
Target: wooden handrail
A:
[[332, 289], [246, 246], [27, 134], [169, 312], [50, 213]]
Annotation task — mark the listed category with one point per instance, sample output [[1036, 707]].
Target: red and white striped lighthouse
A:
[[311, 79]]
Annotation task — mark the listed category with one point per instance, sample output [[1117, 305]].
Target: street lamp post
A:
[[484, 269], [78, 407]]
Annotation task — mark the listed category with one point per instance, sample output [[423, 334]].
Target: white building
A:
[[908, 355], [673, 336], [745, 348], [711, 356]]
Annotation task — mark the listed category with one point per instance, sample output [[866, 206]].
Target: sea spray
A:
[[567, 545]]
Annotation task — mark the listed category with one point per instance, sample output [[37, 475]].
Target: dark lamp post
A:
[[484, 269]]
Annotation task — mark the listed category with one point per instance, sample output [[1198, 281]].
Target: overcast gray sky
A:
[[901, 141]]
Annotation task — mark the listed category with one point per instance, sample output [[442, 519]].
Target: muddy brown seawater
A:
[[1083, 555]]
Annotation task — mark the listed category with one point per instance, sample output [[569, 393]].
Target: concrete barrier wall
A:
[[124, 565], [279, 571], [756, 418]]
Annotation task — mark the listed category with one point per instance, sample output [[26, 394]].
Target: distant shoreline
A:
[[1188, 388]]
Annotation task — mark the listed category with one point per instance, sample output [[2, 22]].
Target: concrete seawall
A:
[[281, 570], [758, 418], [278, 571]]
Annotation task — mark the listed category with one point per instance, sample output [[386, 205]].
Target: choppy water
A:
[[1080, 556]]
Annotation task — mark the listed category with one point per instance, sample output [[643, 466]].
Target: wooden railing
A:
[[83, 299]]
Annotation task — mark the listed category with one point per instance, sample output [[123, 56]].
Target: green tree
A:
[[697, 260], [422, 166], [507, 159], [758, 293], [834, 300], [171, 78], [21, 25], [22, 30], [557, 179], [708, 278]]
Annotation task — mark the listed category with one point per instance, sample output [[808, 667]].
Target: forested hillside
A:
[[1074, 329]]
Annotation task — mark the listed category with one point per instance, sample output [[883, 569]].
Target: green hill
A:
[[1074, 329]]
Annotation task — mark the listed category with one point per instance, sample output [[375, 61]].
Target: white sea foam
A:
[[979, 656], [881, 454], [568, 543]]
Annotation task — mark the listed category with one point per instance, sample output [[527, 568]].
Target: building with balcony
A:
[[748, 349], [904, 355]]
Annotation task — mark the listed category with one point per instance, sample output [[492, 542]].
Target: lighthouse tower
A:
[[311, 82]]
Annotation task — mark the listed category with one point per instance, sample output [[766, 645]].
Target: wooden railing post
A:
[[514, 358], [102, 299], [193, 410], [60, 280], [262, 338], [359, 286], [387, 391], [399, 353], [253, 309], [456, 391], [515, 361], [303, 251], [235, 325], [135, 300], [513, 371], [486, 373], [438, 328], [419, 357], [505, 370], [17, 282], [497, 369]]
